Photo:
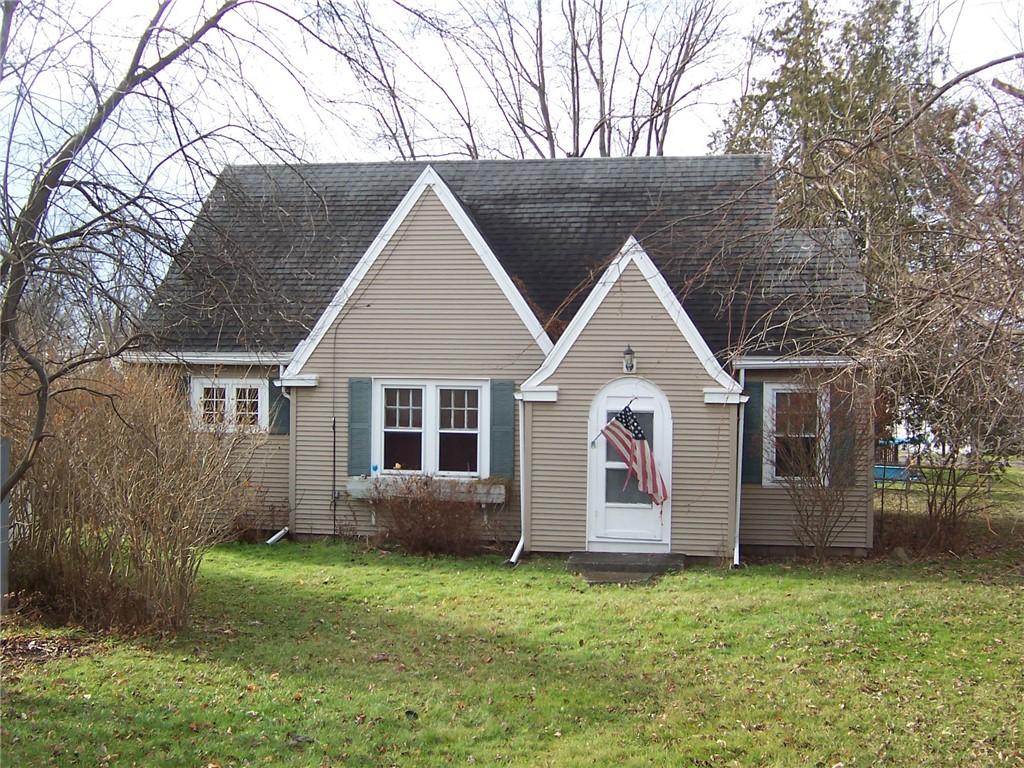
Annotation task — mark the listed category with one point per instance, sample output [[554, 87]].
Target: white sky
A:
[[980, 30]]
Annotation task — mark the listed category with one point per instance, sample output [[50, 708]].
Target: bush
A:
[[259, 520], [824, 465], [427, 515], [957, 487], [125, 498]]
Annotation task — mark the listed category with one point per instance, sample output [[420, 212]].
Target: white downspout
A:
[[278, 536], [291, 457], [514, 560], [739, 471]]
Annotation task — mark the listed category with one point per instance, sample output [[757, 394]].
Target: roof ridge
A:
[[506, 161]]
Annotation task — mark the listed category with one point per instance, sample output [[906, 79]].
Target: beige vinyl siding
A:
[[269, 468], [767, 513], [704, 441], [268, 461], [429, 309]]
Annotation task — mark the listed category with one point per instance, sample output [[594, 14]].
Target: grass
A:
[[325, 654]]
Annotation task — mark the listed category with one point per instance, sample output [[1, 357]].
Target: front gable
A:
[[429, 225], [633, 260]]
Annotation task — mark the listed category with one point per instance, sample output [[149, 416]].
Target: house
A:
[[470, 319]]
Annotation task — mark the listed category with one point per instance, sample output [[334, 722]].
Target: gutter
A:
[[514, 560], [739, 472], [206, 358]]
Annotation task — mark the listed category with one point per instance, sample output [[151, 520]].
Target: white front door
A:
[[621, 518]]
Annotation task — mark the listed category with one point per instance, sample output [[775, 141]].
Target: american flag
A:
[[626, 435]]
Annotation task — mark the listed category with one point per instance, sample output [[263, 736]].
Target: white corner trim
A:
[[207, 358], [427, 180], [305, 380], [714, 396], [542, 393], [752, 362], [633, 253]]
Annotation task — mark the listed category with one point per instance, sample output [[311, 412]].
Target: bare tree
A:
[[604, 77], [923, 169], [113, 135]]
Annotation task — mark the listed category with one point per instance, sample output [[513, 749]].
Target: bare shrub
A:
[[957, 486], [427, 515], [123, 501], [823, 439], [253, 524]]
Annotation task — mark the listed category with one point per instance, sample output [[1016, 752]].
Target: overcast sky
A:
[[980, 30]]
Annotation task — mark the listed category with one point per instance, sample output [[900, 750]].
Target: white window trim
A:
[[430, 426], [230, 385], [768, 477]]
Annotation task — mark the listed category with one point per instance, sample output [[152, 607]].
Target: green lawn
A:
[[391, 660]]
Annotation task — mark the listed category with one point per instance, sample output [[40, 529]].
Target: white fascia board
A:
[[543, 393], [305, 380], [633, 253], [751, 362], [427, 180], [207, 358], [713, 396]]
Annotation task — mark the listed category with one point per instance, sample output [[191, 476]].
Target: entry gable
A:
[[728, 389], [429, 179]]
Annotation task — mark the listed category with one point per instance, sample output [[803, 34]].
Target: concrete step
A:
[[622, 567], [625, 562]]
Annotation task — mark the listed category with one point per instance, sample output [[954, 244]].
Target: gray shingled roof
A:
[[272, 244]]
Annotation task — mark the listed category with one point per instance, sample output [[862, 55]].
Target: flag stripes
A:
[[628, 439]]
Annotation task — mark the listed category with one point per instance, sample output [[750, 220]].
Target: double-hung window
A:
[[403, 428], [230, 404], [433, 427], [796, 432]]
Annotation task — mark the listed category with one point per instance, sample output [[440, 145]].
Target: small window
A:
[[458, 430], [247, 406], [231, 403], [796, 425], [403, 428], [620, 486], [214, 402], [796, 433]]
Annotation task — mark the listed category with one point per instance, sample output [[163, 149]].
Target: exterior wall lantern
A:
[[628, 360]]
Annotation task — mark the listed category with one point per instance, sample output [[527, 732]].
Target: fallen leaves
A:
[[22, 649]]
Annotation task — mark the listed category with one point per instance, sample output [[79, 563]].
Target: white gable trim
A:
[[427, 180], [633, 253]]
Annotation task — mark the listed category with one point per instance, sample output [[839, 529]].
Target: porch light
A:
[[628, 359]]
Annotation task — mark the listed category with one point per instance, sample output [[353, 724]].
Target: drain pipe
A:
[[278, 536], [739, 471], [514, 560]]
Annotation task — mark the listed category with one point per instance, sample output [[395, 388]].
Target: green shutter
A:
[[360, 398], [753, 432], [842, 443], [503, 413], [280, 410]]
